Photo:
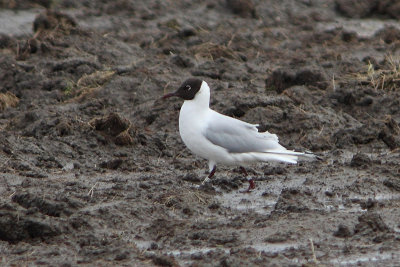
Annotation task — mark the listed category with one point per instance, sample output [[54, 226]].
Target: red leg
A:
[[252, 185], [210, 175], [212, 171]]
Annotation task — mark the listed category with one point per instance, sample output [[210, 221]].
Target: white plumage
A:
[[222, 139]]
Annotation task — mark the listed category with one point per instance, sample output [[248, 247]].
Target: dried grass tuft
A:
[[89, 84], [8, 100], [95, 79], [383, 79], [176, 198], [213, 51]]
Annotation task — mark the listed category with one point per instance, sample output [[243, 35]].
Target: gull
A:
[[222, 139]]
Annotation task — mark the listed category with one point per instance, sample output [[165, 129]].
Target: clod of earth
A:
[[115, 127], [15, 228]]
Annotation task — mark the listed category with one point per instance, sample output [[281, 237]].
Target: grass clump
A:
[[387, 78], [88, 85]]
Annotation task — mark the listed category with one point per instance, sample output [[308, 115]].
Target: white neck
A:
[[202, 98]]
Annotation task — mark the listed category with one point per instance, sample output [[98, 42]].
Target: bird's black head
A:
[[187, 90]]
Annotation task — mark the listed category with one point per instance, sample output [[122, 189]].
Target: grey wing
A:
[[239, 137]]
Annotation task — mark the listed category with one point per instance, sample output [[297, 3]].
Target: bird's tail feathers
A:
[[279, 157], [288, 156], [306, 154]]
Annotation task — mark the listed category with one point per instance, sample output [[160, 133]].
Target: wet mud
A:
[[92, 168]]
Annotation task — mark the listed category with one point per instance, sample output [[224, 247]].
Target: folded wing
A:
[[240, 137]]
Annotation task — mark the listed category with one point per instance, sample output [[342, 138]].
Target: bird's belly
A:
[[202, 147], [192, 135], [195, 141]]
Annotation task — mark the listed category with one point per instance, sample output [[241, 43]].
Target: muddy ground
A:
[[93, 170]]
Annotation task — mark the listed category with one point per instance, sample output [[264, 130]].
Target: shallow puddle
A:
[[278, 247], [253, 201], [365, 258], [363, 27], [17, 23], [186, 256]]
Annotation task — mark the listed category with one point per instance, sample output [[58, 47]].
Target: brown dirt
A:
[[92, 168]]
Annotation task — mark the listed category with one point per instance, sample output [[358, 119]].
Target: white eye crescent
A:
[[188, 87]]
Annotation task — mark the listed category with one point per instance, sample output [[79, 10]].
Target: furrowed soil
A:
[[92, 168]]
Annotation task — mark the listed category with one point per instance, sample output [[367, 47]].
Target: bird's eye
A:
[[188, 87]]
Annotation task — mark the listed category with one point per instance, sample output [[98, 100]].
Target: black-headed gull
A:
[[222, 139]]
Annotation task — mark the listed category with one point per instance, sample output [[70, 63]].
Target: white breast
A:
[[192, 122], [194, 118]]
